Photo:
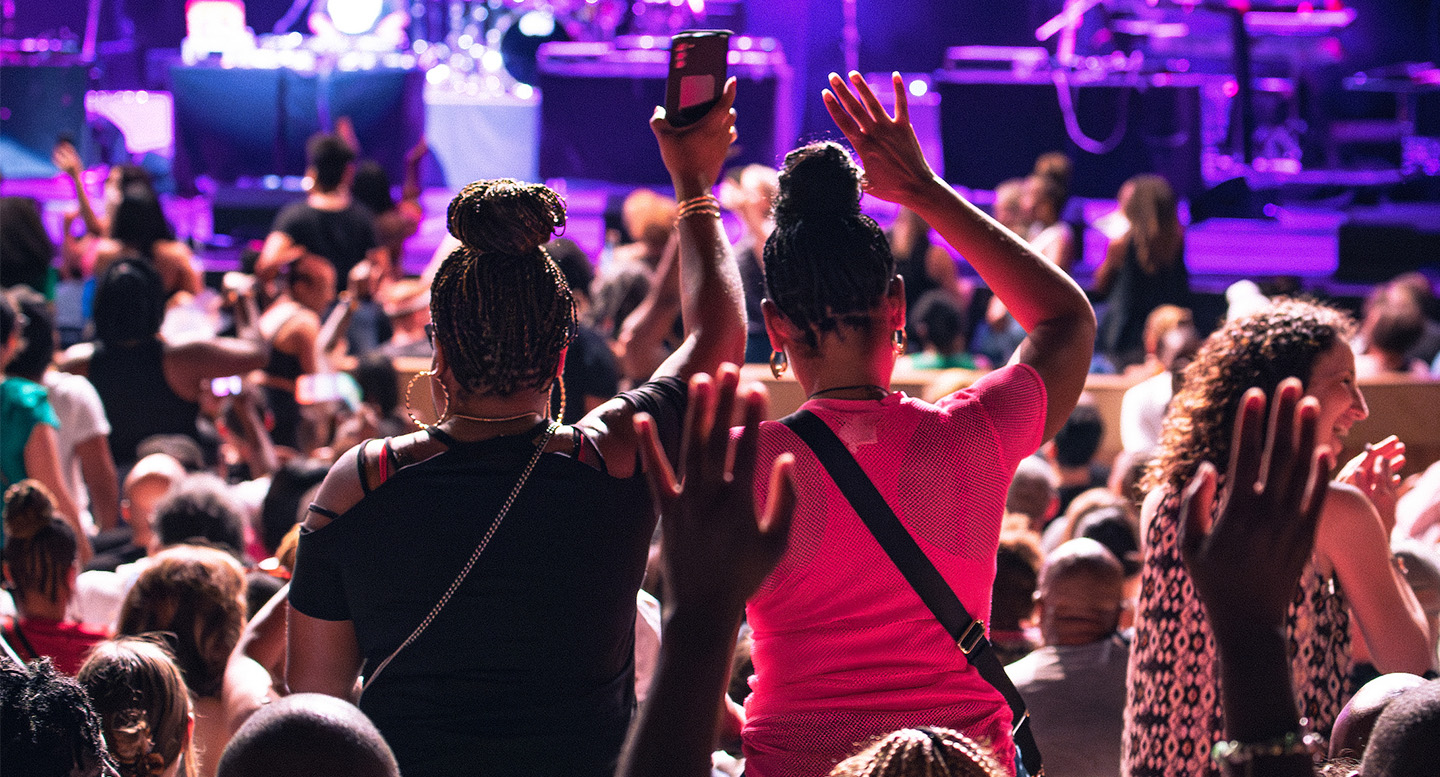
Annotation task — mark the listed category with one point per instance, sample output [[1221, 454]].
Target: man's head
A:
[[201, 507], [1034, 492], [331, 161], [1356, 721], [309, 735], [1079, 439], [149, 481], [1081, 594], [1406, 740]]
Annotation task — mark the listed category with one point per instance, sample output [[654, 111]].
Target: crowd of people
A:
[[235, 543]]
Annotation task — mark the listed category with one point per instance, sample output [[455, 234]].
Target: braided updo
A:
[[826, 263], [40, 547], [502, 311]]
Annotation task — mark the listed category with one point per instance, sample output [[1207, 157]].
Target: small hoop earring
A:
[[779, 363], [440, 415], [900, 339], [560, 384]]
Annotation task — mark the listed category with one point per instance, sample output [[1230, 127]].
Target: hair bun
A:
[[505, 216], [818, 178], [29, 507]]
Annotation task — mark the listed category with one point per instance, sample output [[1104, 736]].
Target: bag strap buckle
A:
[[972, 636]]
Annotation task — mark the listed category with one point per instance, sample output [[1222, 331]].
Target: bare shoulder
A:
[[76, 359], [611, 427], [340, 491]]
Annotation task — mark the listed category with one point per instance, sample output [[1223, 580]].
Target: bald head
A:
[[148, 482], [1357, 720], [1081, 593], [308, 735], [1406, 740]]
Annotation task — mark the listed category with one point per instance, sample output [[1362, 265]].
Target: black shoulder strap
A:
[[968, 633]]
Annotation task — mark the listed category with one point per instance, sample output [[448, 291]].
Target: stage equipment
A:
[[995, 124], [251, 122], [598, 100]]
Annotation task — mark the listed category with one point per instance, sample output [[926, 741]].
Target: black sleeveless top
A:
[[530, 667], [138, 401]]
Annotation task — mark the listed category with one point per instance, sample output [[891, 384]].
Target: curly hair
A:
[[1280, 341], [502, 311], [143, 704], [921, 752], [826, 263], [194, 594], [47, 726]]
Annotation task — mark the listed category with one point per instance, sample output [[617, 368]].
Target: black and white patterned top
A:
[[1173, 714]]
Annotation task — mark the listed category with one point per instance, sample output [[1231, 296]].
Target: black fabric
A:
[[1134, 294], [138, 401], [590, 371], [342, 236], [530, 667], [917, 569]]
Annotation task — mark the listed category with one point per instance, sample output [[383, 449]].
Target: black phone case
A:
[[695, 54]]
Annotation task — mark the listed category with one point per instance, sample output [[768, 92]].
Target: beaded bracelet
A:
[[1236, 753]]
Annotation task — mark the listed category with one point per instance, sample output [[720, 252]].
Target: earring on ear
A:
[[440, 415], [900, 339], [779, 363], [560, 384]]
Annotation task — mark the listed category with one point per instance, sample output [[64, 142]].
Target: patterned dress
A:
[[1173, 714]]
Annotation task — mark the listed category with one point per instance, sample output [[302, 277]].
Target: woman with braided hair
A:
[[144, 707], [480, 574], [40, 554], [844, 649]]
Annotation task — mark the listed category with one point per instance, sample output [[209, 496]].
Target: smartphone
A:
[[226, 386], [327, 387], [698, 68]]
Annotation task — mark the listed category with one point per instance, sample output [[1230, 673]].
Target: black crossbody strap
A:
[[916, 567]]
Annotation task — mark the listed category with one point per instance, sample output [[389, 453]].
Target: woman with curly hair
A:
[[144, 707], [481, 574], [1173, 715]]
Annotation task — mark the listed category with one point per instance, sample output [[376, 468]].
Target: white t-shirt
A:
[[1142, 410], [82, 417]]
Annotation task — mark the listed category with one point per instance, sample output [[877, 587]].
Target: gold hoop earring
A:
[[560, 383], [900, 339], [440, 415], [779, 363]]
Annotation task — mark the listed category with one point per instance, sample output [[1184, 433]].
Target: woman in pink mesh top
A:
[[844, 649]]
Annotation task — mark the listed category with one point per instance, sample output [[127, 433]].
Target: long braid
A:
[[502, 310]]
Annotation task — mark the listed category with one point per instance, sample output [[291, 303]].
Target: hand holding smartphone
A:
[[698, 68]]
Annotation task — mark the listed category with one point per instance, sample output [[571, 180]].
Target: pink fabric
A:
[[844, 648]]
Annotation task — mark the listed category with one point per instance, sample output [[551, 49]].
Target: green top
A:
[[23, 403], [925, 360]]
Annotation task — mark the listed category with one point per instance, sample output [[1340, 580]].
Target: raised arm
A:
[[712, 304], [1043, 299], [640, 344], [66, 158], [716, 554], [218, 357]]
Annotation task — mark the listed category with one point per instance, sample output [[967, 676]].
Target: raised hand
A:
[[895, 166], [67, 159], [695, 154], [716, 551], [1246, 565], [1376, 472]]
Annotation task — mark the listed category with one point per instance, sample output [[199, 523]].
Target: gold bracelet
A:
[[1235, 753], [705, 203]]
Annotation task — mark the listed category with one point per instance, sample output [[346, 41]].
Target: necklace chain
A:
[[483, 419], [881, 390]]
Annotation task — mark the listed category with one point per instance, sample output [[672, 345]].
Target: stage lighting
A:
[[355, 17]]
